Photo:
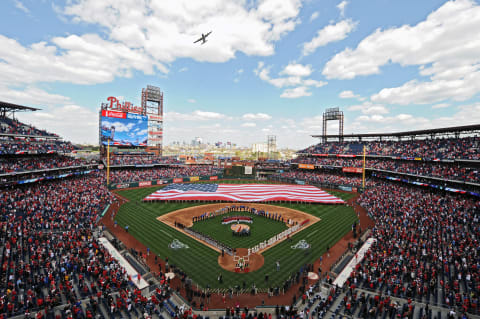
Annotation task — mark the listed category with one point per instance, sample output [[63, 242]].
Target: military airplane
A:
[[203, 38]]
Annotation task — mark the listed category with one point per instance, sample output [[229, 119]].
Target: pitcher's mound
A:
[[241, 262], [239, 227]]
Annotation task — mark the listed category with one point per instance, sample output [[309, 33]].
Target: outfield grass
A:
[[261, 229], [200, 261]]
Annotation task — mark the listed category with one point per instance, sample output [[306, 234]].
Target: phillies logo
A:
[[114, 103], [125, 107]]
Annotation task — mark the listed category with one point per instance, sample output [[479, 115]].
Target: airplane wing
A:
[[206, 35], [198, 40]]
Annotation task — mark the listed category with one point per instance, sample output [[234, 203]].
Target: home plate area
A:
[[238, 228], [239, 233]]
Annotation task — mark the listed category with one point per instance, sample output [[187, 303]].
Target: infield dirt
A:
[[185, 217]]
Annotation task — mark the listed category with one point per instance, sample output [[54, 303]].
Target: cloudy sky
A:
[[270, 67]]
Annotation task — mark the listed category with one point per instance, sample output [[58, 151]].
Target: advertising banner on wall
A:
[[306, 166], [358, 170], [248, 170], [146, 183], [123, 129]]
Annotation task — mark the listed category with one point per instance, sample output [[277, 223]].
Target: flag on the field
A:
[[244, 193]]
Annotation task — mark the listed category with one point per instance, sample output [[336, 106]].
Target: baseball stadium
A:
[[381, 227], [383, 222]]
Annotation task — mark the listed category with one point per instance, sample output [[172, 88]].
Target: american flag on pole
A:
[[243, 193]]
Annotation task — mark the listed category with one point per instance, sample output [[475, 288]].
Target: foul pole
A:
[[363, 171], [108, 161]]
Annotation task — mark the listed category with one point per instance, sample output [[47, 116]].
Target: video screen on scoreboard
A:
[[123, 129]]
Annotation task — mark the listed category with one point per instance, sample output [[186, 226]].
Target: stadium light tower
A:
[[271, 145], [332, 114]]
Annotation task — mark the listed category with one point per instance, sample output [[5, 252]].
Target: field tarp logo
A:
[[302, 244], [176, 244]]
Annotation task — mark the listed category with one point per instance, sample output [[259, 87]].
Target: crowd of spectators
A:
[[441, 148], [25, 164], [142, 160], [11, 126], [149, 174], [50, 255], [422, 168], [427, 247], [272, 165], [11, 145], [315, 177]]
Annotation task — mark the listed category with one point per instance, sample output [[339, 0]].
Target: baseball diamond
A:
[[149, 222]]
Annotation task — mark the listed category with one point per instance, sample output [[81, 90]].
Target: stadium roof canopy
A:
[[6, 107], [454, 130]]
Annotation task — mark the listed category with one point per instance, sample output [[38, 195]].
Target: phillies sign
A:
[[123, 107]]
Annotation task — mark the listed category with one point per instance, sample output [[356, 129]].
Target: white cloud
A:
[[194, 116], [375, 109], [417, 92], [403, 119], [440, 106], [314, 16], [238, 73], [209, 115], [167, 29], [74, 59], [57, 114], [21, 6], [369, 108], [330, 33], [296, 92], [146, 36], [441, 46], [249, 124], [184, 69], [32, 96], [72, 122], [192, 101], [315, 83], [348, 95], [296, 69], [257, 116], [341, 6], [296, 74], [466, 115]]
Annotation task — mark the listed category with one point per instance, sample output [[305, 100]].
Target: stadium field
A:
[[200, 262], [260, 229]]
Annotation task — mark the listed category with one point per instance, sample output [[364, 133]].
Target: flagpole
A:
[[363, 171], [108, 161]]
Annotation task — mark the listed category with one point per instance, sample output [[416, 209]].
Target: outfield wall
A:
[[164, 181]]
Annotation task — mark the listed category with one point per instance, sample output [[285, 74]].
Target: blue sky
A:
[[270, 67]]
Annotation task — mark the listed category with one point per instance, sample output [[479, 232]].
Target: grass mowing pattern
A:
[[261, 229], [200, 262]]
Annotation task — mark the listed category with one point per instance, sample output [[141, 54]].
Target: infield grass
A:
[[200, 261], [260, 229]]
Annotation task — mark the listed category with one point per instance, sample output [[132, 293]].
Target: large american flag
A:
[[244, 193]]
